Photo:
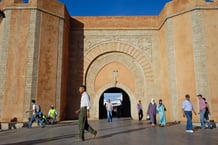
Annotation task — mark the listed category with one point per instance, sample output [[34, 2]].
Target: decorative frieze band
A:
[[141, 41]]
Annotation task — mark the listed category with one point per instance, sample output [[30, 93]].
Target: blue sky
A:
[[114, 7], [113, 97]]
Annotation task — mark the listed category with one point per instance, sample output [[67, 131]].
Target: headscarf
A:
[[152, 101]]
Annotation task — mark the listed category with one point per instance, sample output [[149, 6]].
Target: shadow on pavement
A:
[[121, 132], [33, 142]]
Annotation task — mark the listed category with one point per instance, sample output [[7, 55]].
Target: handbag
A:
[[165, 108], [147, 117]]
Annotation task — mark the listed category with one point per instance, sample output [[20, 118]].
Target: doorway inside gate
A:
[[120, 102]]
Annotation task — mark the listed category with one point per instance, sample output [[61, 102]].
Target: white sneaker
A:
[[189, 131]]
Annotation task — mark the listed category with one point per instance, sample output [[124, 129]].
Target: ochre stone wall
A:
[[32, 53], [210, 25], [164, 72], [65, 68], [16, 65], [107, 22], [185, 74], [47, 72]]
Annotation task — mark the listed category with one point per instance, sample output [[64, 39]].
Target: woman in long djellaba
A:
[[161, 111], [152, 112]]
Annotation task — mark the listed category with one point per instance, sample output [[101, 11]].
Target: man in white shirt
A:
[[35, 114], [109, 108], [84, 113], [33, 111], [187, 109]]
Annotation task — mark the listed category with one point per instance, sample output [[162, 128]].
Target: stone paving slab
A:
[[120, 132]]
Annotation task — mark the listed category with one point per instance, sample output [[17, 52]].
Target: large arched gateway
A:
[[117, 65]]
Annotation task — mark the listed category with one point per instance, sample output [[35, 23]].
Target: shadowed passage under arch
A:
[[119, 111]]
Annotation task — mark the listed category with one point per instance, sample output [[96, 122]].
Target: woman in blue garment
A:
[[161, 111]]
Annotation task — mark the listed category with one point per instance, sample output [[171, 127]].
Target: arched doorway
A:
[[134, 75], [122, 110]]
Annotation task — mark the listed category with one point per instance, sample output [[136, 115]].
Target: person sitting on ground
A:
[[43, 118], [52, 113]]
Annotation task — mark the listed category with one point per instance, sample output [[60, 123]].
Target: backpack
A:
[[212, 124], [38, 108]]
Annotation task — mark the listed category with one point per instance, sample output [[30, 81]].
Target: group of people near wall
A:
[[187, 109], [85, 106], [37, 115], [204, 111], [152, 110]]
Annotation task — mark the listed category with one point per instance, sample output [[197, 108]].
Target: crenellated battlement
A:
[[15, 1], [210, 1], [53, 7], [20, 1]]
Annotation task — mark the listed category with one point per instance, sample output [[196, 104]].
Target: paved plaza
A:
[[121, 131]]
